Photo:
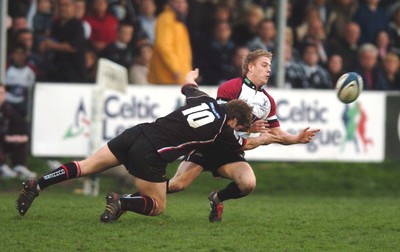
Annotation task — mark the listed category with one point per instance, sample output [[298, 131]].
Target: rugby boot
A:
[[216, 209], [28, 193], [113, 208]]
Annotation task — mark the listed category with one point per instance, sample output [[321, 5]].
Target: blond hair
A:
[[252, 57]]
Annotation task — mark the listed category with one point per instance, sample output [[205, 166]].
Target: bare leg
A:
[[242, 174], [100, 161], [184, 176], [157, 191]]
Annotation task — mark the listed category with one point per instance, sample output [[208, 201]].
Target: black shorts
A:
[[141, 159], [212, 157]]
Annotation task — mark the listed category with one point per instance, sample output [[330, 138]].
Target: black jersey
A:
[[199, 122]]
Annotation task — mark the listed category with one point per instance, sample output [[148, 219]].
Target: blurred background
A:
[[50, 52]]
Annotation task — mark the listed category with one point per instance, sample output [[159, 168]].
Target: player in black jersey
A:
[[145, 150]]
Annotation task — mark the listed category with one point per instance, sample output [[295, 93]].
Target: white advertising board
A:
[[354, 132]]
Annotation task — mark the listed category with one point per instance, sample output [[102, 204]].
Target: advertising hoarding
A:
[[354, 132]]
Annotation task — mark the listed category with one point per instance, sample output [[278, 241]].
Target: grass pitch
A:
[[296, 207]]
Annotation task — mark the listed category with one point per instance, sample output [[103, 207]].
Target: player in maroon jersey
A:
[[224, 163], [145, 150]]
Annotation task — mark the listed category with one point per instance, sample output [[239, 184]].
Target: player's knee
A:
[[177, 187], [160, 208], [247, 187]]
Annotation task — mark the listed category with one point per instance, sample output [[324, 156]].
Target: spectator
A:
[[80, 12], [118, 8], [222, 13], [315, 34], [335, 68], [34, 59], [104, 25], [18, 23], [382, 42], [24, 37], [172, 52], [293, 70], [369, 69], [217, 55], [66, 46], [237, 61], [371, 18], [139, 39], [324, 10], [147, 19], [265, 37], [269, 7], [290, 22], [90, 64], [42, 20], [311, 16], [342, 13], [314, 75], [213, 14], [20, 78], [13, 141], [140, 68], [246, 30], [347, 46], [120, 51], [394, 29], [124, 10], [391, 69], [19, 8], [290, 40]]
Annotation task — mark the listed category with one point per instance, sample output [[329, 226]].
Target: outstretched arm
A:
[[304, 136], [264, 138]]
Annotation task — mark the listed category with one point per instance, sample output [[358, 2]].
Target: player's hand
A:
[[191, 76], [259, 126], [306, 135]]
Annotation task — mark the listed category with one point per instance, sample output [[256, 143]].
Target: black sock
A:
[[139, 204], [64, 172], [232, 191], [168, 191]]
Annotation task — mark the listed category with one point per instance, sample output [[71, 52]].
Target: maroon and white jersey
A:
[[263, 104]]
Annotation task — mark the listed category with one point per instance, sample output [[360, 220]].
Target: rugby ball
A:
[[349, 87]]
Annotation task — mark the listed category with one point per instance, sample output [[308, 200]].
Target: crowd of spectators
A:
[[157, 41]]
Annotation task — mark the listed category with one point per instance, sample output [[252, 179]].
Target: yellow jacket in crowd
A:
[[172, 52]]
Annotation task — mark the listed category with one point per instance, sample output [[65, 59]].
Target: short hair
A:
[[125, 23], [22, 31], [368, 47], [252, 57], [391, 56], [308, 45], [240, 110]]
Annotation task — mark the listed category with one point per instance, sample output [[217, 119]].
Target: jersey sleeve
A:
[[272, 118], [230, 139], [192, 90], [229, 90]]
